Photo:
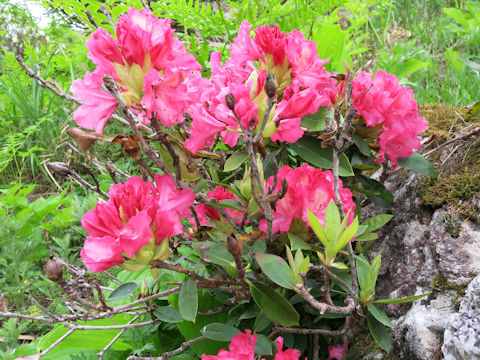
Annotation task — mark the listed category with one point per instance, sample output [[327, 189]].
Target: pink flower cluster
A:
[[207, 214], [384, 102], [156, 74], [136, 213], [303, 86], [242, 347], [308, 189]]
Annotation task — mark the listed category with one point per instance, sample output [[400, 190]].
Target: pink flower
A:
[[337, 351], [205, 212], [303, 84], [308, 189], [136, 213], [289, 354], [204, 129], [242, 347], [97, 104], [151, 67], [393, 106]]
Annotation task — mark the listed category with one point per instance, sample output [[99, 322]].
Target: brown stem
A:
[[163, 265], [169, 354], [130, 117]]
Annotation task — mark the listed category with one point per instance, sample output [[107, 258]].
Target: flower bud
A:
[[234, 246], [230, 101], [53, 269], [271, 85], [60, 168]]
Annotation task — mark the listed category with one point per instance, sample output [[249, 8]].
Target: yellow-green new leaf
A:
[[347, 235], [317, 228], [332, 221]]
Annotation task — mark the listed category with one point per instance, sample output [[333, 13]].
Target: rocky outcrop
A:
[[424, 250], [461, 340]]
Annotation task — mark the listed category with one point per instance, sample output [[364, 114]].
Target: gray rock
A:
[[418, 246], [462, 335]]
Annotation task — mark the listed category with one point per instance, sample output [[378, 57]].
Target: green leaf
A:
[[276, 269], [361, 144], [298, 243], [347, 235], [234, 161], [379, 315], [401, 300], [261, 322], [471, 64], [188, 300], [316, 122], [367, 237], [332, 221], [274, 305], [84, 340], [219, 332], [228, 204], [317, 228], [417, 163], [310, 149], [122, 291], [168, 314], [380, 333], [376, 222], [408, 67], [263, 345]]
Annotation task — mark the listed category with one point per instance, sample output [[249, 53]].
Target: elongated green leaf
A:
[[219, 332], [367, 237], [401, 300], [298, 243], [347, 235], [332, 221], [168, 314], [234, 161], [376, 222], [379, 315], [228, 204], [274, 305], [122, 291], [408, 67], [261, 322], [263, 345], [417, 163], [276, 269], [310, 149], [188, 300], [361, 144], [380, 333], [84, 340], [317, 228]]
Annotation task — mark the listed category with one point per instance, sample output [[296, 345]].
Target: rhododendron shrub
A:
[[247, 211]]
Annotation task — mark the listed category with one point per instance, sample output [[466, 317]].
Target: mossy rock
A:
[[457, 165]]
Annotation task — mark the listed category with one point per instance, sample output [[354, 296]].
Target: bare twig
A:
[[169, 354], [46, 84], [284, 330], [59, 340], [324, 307], [120, 333], [105, 11], [325, 270], [130, 117], [457, 138]]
